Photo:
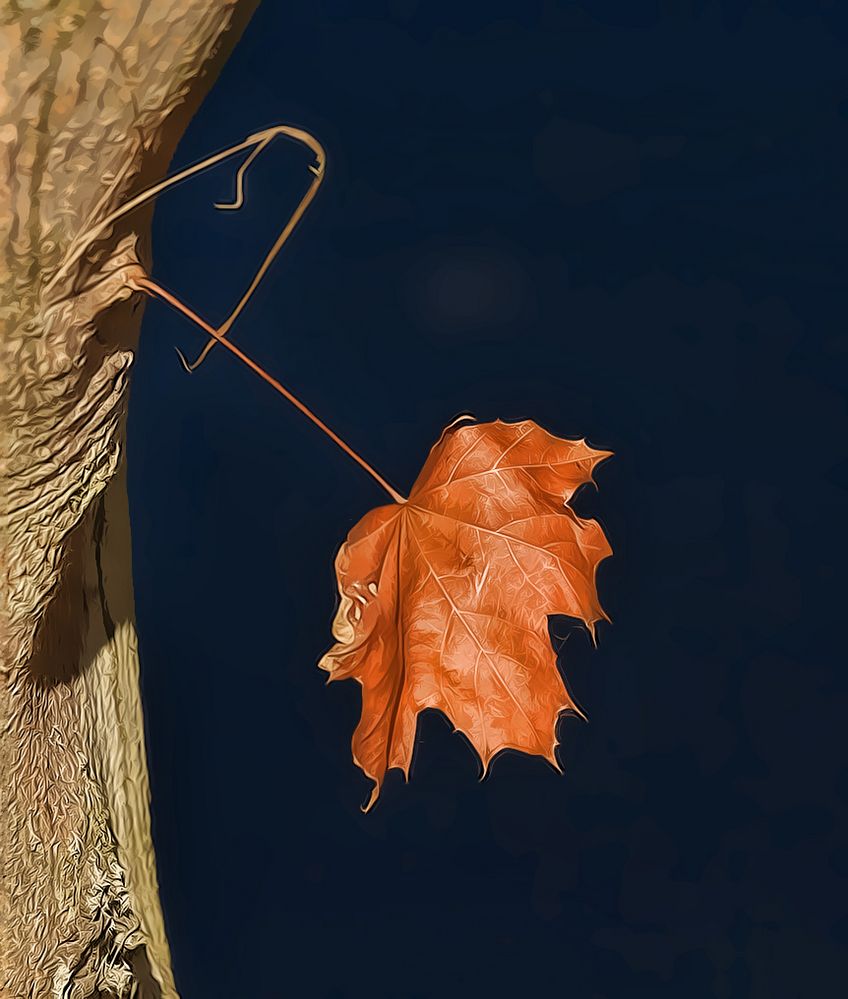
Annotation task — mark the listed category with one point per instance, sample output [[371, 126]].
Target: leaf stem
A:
[[157, 291]]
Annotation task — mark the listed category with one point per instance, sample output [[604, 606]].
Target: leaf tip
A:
[[592, 626], [485, 767], [372, 800], [575, 710]]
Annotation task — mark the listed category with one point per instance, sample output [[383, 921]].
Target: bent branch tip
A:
[[188, 367]]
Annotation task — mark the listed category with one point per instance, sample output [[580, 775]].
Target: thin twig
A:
[[260, 140], [151, 288]]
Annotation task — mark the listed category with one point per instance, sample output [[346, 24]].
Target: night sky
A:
[[626, 222]]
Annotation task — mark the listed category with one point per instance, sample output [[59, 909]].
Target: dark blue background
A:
[[626, 222]]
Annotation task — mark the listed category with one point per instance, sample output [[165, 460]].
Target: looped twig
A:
[[260, 140], [150, 287]]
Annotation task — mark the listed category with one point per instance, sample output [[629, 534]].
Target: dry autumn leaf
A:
[[445, 597]]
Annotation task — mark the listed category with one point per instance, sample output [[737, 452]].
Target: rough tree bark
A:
[[93, 97]]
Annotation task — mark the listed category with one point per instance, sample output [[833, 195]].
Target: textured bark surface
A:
[[93, 97]]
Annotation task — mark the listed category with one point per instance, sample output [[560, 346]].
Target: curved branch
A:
[[260, 140]]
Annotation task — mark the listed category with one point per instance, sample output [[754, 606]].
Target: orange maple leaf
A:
[[445, 597]]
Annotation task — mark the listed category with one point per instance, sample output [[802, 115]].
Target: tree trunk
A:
[[93, 97]]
